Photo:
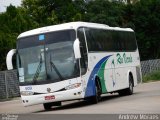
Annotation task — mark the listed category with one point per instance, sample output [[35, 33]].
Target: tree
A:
[[105, 12], [142, 16], [13, 22], [147, 24]]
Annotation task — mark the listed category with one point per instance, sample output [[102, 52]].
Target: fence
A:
[[9, 86], [150, 66]]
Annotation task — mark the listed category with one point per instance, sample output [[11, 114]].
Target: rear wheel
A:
[[129, 90]]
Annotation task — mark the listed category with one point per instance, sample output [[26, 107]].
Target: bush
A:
[[154, 76]]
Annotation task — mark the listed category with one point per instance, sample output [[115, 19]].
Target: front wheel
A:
[[97, 97], [47, 106]]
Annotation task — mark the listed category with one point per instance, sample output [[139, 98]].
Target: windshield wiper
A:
[[55, 68], [38, 70]]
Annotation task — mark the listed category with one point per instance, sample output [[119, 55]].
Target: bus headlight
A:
[[76, 85], [27, 93]]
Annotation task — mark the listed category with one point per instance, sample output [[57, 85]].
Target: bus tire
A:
[[129, 90], [47, 106], [97, 97]]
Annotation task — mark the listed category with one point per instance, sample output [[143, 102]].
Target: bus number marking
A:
[[28, 88]]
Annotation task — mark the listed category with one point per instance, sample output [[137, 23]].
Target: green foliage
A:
[[105, 12], [13, 22], [154, 76], [50, 12], [142, 16], [147, 23]]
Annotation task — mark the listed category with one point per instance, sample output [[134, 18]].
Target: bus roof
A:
[[70, 25]]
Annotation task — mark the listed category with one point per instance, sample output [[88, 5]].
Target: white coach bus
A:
[[76, 60]]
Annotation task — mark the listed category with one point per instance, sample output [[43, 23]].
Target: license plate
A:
[[49, 97]]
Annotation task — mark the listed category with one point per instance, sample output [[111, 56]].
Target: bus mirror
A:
[[9, 59], [76, 47]]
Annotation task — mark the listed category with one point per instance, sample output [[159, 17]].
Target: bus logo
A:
[[49, 90]]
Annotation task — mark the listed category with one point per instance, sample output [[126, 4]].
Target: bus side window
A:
[[131, 41], [117, 45], [83, 48]]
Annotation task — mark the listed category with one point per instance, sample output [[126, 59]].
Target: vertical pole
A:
[[6, 85]]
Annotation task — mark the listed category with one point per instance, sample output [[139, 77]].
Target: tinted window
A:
[[131, 41], [109, 40], [92, 42], [52, 37]]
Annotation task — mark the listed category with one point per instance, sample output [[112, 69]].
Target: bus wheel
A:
[[129, 90], [47, 106], [97, 96]]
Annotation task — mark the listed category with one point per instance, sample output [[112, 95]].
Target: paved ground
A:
[[146, 99]]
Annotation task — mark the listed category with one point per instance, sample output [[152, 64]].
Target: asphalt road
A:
[[146, 99]]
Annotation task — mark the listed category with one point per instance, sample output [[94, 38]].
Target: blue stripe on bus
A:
[[90, 90]]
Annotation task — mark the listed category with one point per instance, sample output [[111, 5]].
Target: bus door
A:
[[84, 57]]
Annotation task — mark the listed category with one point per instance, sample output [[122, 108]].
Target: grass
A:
[[8, 99], [153, 76]]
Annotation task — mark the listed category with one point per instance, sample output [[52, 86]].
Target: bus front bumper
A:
[[52, 97]]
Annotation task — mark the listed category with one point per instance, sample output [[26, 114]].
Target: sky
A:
[[5, 3]]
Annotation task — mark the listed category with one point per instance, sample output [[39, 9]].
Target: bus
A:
[[76, 60]]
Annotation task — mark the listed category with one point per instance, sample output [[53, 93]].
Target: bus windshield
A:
[[47, 58]]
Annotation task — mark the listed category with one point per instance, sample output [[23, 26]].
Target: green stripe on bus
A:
[[101, 75]]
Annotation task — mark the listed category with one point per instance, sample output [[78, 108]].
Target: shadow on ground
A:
[[81, 103]]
